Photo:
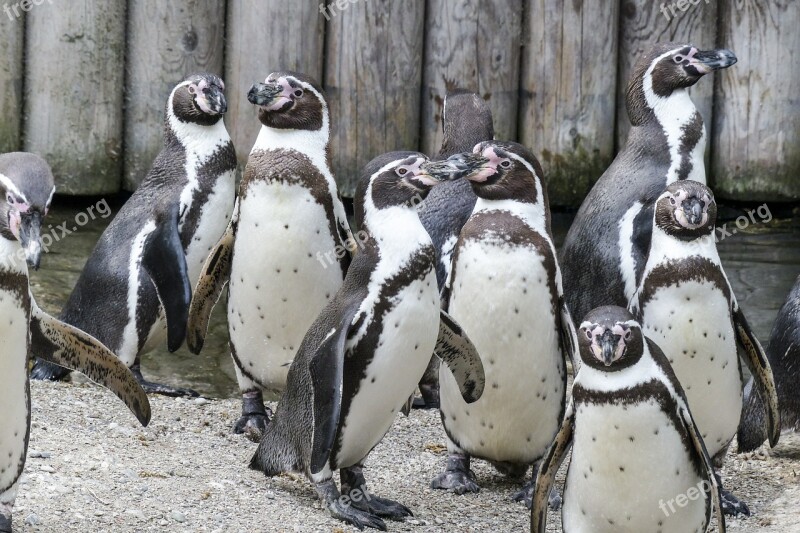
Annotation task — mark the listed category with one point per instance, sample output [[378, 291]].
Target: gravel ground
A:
[[92, 468]]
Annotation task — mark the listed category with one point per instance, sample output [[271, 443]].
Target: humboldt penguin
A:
[[285, 253], [136, 286], [605, 249], [638, 461], [365, 352], [686, 305]]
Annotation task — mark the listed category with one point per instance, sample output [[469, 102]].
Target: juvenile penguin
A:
[[365, 352], [605, 249], [26, 185], [686, 305], [136, 286], [466, 121], [638, 461], [783, 353], [286, 250], [505, 291]]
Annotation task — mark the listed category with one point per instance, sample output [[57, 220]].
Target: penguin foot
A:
[[5, 524], [429, 398], [355, 517], [731, 505], [526, 495], [46, 371], [355, 487], [457, 477], [151, 387], [255, 416]]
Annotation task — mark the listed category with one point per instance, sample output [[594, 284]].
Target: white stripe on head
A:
[[11, 187]]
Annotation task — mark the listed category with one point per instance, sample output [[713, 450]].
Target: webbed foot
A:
[[457, 477]]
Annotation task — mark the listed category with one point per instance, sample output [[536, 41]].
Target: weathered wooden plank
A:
[[756, 143], [265, 36], [373, 74], [568, 86], [74, 82], [473, 44], [643, 23], [12, 32], [166, 42]]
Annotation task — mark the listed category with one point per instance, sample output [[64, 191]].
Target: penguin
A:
[[783, 354], [505, 291], [136, 286], [26, 183], [364, 354], [466, 121], [665, 144], [638, 460], [287, 250], [686, 305]]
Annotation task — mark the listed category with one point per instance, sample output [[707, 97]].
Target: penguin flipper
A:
[[569, 337], [327, 370], [548, 469], [214, 277], [700, 450], [459, 354], [759, 366], [71, 348], [164, 261]]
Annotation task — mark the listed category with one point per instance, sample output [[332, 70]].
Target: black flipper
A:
[[764, 382], [72, 348], [214, 277], [326, 369], [459, 354], [569, 337], [548, 468], [164, 261]]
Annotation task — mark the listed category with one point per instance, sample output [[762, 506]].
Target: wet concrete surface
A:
[[761, 259]]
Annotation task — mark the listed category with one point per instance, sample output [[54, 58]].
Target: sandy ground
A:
[[92, 468]]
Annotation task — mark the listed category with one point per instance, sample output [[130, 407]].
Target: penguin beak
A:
[[216, 101], [706, 61], [30, 236], [264, 94], [460, 165], [693, 211], [608, 347]]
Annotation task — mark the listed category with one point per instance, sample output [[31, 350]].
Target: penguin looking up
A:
[[505, 291], [635, 446], [783, 353], [686, 305], [364, 354], [286, 250], [466, 121], [136, 286], [666, 143], [26, 190]]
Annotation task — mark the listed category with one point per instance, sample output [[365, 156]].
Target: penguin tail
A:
[[752, 426], [273, 454]]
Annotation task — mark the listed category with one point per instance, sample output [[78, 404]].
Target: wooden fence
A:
[[83, 82]]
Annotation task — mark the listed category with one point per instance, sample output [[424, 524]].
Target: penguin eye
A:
[[298, 93], [588, 334], [192, 89], [402, 171], [628, 335], [678, 59], [506, 164], [672, 201], [9, 198]]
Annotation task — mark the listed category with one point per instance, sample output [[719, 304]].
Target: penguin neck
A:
[[12, 257], [396, 231], [314, 144], [596, 380], [533, 214], [678, 120], [197, 140], [665, 247]]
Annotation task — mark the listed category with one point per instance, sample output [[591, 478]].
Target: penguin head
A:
[[504, 171], [290, 100], [610, 339], [686, 210], [199, 99], [26, 182], [466, 121], [401, 179], [666, 68]]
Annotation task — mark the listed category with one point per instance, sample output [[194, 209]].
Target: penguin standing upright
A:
[[505, 291], [605, 249], [285, 252], [27, 189], [466, 121], [365, 352], [638, 462], [783, 353], [686, 306], [136, 285]]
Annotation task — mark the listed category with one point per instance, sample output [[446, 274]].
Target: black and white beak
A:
[[30, 237]]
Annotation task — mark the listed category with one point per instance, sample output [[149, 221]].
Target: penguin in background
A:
[[466, 121], [783, 353], [604, 252], [136, 286], [286, 249], [635, 446], [26, 184], [686, 305], [505, 291], [365, 352]]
